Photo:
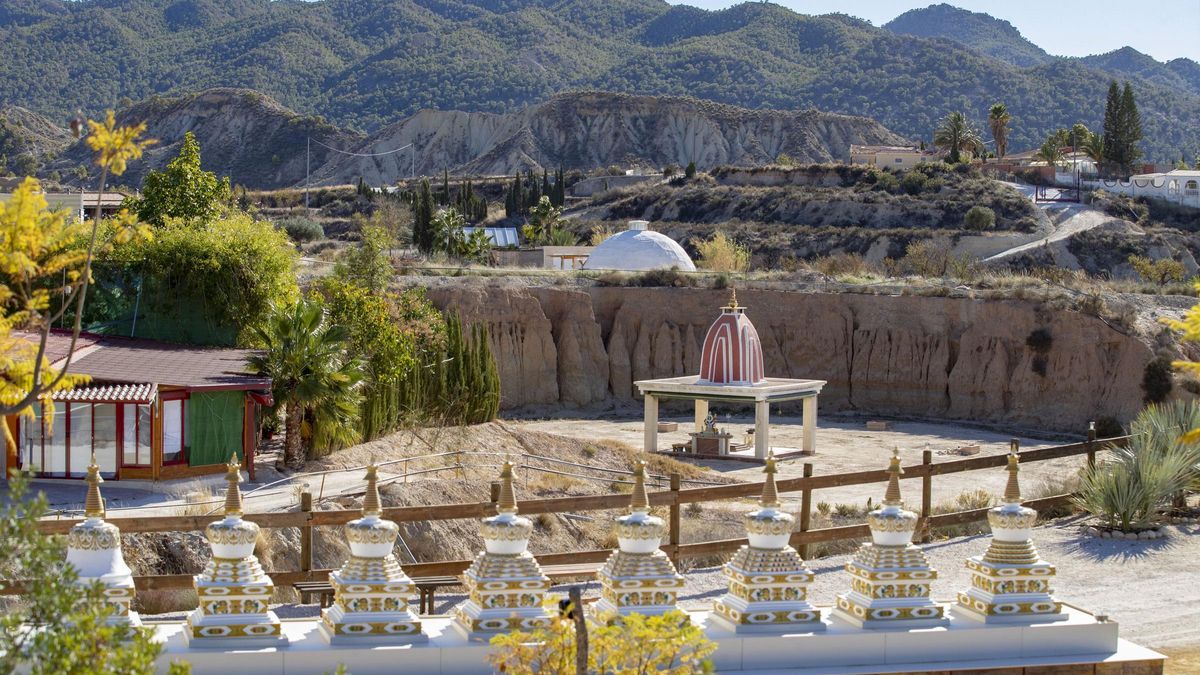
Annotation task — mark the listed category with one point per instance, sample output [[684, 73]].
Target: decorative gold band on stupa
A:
[[892, 496], [770, 495], [1012, 491], [233, 494], [93, 506], [508, 500], [371, 504], [638, 500]]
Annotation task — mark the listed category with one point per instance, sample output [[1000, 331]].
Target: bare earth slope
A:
[[598, 129]]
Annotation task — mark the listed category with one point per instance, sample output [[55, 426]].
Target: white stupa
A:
[[638, 249]]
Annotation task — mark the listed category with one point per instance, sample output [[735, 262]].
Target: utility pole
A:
[[307, 165]]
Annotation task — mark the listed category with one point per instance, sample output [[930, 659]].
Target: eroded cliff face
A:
[[930, 357]]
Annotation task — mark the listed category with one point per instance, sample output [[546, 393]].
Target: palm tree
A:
[[1093, 147], [312, 376], [998, 120], [1051, 152], [957, 135]]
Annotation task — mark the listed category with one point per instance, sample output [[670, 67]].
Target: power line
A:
[[308, 160], [362, 154]]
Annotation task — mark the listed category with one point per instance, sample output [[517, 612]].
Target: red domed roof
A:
[[732, 352]]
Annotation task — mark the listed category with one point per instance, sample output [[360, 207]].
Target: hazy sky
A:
[[1164, 29]]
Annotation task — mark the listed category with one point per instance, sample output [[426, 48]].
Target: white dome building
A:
[[638, 249]]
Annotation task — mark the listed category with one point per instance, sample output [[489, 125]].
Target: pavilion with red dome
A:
[[731, 370]]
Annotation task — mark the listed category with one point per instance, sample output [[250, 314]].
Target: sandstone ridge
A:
[[909, 356]]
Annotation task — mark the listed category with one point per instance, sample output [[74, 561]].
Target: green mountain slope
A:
[[982, 32], [368, 63]]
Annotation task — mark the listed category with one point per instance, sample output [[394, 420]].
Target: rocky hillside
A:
[[243, 134], [370, 63], [587, 130], [953, 358], [28, 140]]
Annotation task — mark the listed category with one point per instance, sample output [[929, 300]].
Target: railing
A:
[[673, 498]]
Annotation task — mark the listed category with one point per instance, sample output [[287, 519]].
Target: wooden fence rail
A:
[[673, 498]]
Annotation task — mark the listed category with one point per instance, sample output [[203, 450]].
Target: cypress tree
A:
[[423, 219], [545, 182], [1131, 130], [1112, 122]]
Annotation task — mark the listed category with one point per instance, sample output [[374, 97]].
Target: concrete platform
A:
[[1076, 644]]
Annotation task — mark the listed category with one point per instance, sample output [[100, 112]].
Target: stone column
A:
[[650, 444], [762, 429], [701, 413], [810, 424]]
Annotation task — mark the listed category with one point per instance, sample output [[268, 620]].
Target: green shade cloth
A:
[[214, 426]]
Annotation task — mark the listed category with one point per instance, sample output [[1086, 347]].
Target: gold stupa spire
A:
[[93, 506], [733, 303], [1012, 491], [371, 504], [233, 494], [892, 496], [770, 495], [638, 500], [508, 500]]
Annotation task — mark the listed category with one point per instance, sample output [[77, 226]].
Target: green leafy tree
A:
[[998, 120], [368, 264], [183, 190], [956, 135], [314, 377], [72, 634]]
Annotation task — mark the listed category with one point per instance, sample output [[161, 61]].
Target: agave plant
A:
[[1128, 490]]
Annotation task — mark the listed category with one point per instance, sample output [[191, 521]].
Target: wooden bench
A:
[[427, 586]]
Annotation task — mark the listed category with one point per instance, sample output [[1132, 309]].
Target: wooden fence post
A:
[[306, 553], [675, 524], [926, 495], [806, 509], [1091, 443]]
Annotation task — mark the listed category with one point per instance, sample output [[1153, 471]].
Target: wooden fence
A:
[[674, 498]]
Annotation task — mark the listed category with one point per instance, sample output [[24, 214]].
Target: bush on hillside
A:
[[980, 218], [722, 254], [301, 230]]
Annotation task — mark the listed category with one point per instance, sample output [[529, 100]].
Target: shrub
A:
[[1108, 427], [980, 218], [1127, 491], [650, 278], [301, 230], [722, 254], [1157, 382], [913, 182], [1157, 271], [1039, 340], [690, 171], [887, 182], [841, 264]]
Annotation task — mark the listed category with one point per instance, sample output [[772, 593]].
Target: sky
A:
[[1164, 29]]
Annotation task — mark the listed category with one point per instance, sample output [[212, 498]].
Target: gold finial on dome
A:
[[733, 303], [93, 506], [770, 495], [638, 500], [1012, 491], [371, 504], [892, 496], [233, 494], [508, 500]]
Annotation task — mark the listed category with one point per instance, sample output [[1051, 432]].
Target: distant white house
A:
[[1181, 186], [897, 157], [80, 204]]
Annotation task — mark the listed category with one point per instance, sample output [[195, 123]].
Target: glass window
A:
[[173, 431], [80, 451], [30, 442], [54, 458], [144, 431], [104, 438], [129, 446]]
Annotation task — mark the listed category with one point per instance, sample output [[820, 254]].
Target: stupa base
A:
[[1024, 609], [478, 624], [889, 614], [605, 612], [225, 631], [740, 616]]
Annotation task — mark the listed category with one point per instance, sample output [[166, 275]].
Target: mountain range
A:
[[364, 64]]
